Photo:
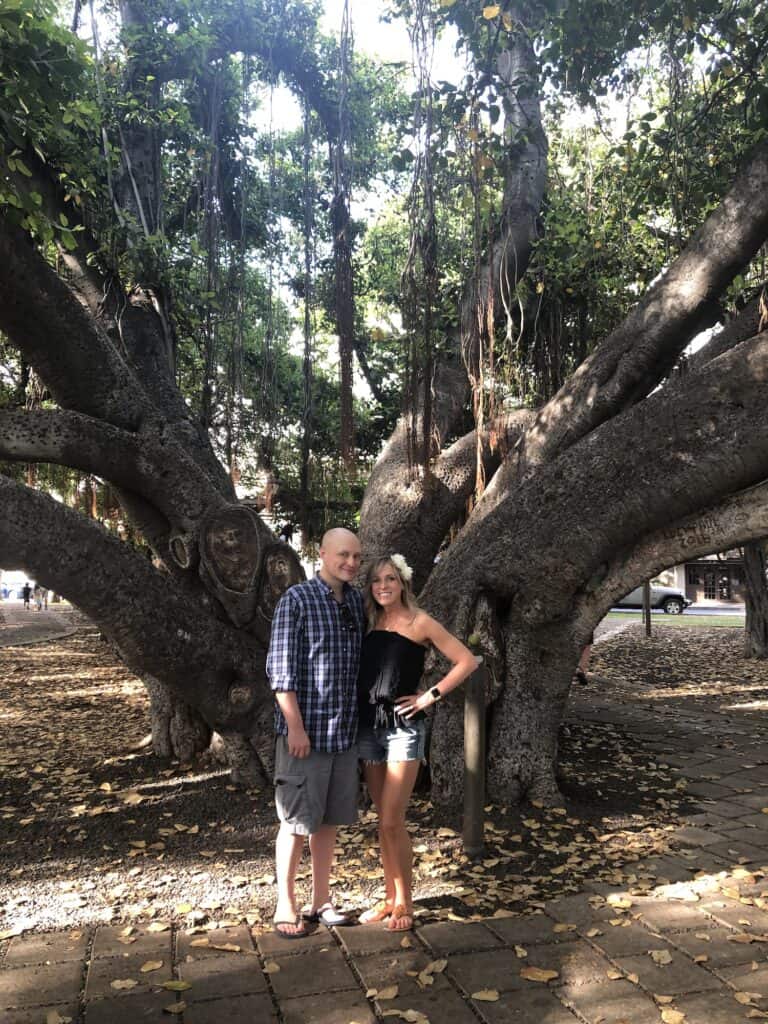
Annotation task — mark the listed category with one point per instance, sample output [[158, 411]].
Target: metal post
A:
[[474, 762], [647, 606]]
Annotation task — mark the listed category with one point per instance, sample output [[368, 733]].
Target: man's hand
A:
[[298, 743]]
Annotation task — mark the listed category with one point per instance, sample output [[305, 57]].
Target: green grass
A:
[[682, 621]]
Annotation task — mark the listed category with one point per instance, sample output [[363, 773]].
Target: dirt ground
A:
[[93, 828]]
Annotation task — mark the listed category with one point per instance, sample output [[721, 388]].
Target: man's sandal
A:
[[302, 932], [329, 916], [398, 915], [378, 912]]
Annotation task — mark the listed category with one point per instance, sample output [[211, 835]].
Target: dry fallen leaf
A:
[[390, 992], [227, 947], [660, 956], [54, 1017], [486, 995], [176, 986], [537, 974], [175, 1008], [121, 983], [270, 967], [158, 926], [670, 1016], [663, 1000], [151, 965], [746, 998]]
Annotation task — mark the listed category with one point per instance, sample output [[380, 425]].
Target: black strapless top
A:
[[391, 666]]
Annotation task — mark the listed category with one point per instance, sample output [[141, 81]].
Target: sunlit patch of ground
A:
[[92, 828]]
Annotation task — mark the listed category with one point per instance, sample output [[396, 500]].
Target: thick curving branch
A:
[[643, 349], [78, 361], [732, 522], [209, 664], [410, 514], [661, 460], [145, 463]]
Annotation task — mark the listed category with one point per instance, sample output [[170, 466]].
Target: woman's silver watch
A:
[[436, 695]]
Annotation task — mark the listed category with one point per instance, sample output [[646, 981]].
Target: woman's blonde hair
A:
[[372, 607]]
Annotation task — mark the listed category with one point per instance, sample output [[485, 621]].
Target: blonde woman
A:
[[392, 728]]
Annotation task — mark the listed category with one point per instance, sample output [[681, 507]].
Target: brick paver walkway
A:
[[681, 939]]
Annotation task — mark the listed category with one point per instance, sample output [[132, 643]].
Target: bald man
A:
[[314, 655]]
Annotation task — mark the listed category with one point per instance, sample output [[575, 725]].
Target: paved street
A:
[[680, 938]]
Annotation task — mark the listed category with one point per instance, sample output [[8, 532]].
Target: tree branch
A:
[[211, 665], [660, 461], [734, 521], [158, 470], [643, 349]]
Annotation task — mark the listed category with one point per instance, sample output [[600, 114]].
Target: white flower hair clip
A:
[[402, 567]]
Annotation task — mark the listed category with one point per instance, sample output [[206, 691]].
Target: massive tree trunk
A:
[[611, 481], [756, 626], [610, 484]]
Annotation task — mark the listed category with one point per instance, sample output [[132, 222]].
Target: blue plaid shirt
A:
[[314, 649]]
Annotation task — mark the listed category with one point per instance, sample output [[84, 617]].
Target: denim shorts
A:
[[401, 743]]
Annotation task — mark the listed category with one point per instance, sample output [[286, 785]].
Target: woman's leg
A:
[[375, 775], [397, 852]]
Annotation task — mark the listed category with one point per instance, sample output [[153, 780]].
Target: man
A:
[[26, 593], [313, 659]]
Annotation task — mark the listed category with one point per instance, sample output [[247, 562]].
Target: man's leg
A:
[[321, 846], [288, 849]]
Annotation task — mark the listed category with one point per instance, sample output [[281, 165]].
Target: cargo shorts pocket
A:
[[291, 797]]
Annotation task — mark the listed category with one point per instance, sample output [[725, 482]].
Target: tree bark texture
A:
[[756, 626]]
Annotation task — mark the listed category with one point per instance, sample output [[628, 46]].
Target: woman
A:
[[392, 730]]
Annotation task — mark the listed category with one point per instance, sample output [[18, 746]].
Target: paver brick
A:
[[496, 968], [47, 947], [233, 975], [611, 1002], [40, 985], [253, 1009], [712, 1008], [335, 1008], [110, 941], [669, 915], [717, 947], [323, 971], [527, 1006], [625, 939], [452, 937], [101, 974], [682, 975], [738, 915], [372, 938], [745, 979], [532, 929], [271, 944], [576, 962], [442, 1007], [238, 936], [39, 1014], [131, 1009], [690, 835], [382, 971], [741, 849]]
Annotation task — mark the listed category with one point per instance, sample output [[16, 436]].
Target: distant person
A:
[[580, 675], [44, 597], [38, 596], [26, 593], [286, 533]]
